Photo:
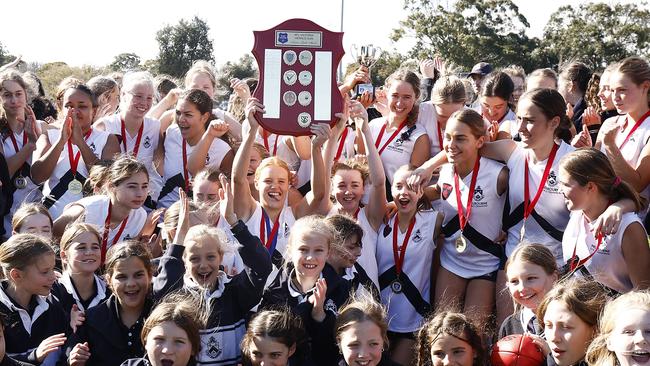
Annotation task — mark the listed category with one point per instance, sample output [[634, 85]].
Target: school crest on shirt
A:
[[478, 194], [417, 237], [147, 142], [331, 306], [551, 185], [446, 190], [213, 348], [552, 179], [477, 199]]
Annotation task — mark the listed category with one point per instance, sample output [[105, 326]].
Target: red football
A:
[[516, 350]]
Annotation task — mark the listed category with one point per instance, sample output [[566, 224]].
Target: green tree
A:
[[469, 32], [386, 64], [52, 73], [3, 55], [245, 67], [125, 62], [151, 66], [182, 44], [598, 33]]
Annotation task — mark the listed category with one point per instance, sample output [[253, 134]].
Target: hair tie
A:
[[617, 181]]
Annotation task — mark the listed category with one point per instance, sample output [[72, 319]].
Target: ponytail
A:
[[552, 105], [592, 165]]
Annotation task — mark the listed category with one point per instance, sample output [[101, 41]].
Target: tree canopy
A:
[[598, 33], [182, 44], [125, 62], [469, 32], [494, 31]]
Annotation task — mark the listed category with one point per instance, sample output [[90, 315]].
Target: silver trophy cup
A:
[[365, 55]]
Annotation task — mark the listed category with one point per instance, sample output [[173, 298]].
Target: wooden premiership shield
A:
[[297, 60]]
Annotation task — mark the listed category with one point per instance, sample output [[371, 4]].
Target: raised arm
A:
[[16, 161], [376, 208], [638, 176], [165, 104], [312, 203], [47, 153], [301, 145], [245, 204], [196, 160]]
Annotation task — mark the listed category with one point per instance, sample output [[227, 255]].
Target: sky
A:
[[75, 32]]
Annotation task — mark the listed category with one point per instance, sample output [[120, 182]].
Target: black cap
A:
[[481, 68]]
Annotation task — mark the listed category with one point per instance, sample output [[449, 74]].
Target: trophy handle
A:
[[376, 53], [354, 51]]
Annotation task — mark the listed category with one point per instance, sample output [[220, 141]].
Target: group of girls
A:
[[219, 242]]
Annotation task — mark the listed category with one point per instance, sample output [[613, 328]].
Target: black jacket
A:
[[110, 342], [229, 303], [24, 333], [6, 195], [322, 339]]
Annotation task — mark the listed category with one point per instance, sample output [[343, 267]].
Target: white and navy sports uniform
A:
[[148, 144], [607, 265], [97, 211], [407, 309], [399, 151], [632, 149], [285, 222], [367, 260], [547, 222], [482, 255], [513, 124], [30, 193], [428, 120], [55, 192], [25, 329], [173, 175]]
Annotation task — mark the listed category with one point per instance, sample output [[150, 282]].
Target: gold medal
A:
[[461, 244], [75, 187], [522, 231]]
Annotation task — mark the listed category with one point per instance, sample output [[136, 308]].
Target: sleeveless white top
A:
[[96, 141], [30, 193], [283, 151], [607, 266], [174, 162], [428, 120], [148, 144], [551, 205], [398, 152], [631, 151], [416, 266], [97, 210], [485, 220], [285, 222]]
